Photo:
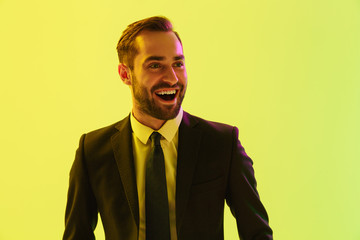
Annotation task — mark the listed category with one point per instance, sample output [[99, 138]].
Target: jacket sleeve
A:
[[81, 210], [243, 198]]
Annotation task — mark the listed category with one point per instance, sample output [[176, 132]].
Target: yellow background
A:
[[286, 72]]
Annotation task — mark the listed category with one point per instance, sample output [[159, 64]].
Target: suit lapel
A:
[[122, 147], [188, 147]]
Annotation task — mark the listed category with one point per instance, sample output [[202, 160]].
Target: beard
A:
[[147, 104]]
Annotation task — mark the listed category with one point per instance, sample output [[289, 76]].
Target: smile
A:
[[167, 95]]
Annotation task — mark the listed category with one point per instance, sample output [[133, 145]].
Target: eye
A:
[[154, 65], [179, 64]]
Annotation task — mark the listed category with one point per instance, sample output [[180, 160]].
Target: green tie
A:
[[156, 200]]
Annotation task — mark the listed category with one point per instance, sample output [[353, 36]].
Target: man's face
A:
[[159, 79]]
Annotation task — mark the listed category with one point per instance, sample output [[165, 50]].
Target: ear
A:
[[124, 73]]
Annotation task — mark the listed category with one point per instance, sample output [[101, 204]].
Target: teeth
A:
[[166, 92]]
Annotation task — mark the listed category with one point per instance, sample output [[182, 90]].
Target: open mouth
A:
[[167, 95]]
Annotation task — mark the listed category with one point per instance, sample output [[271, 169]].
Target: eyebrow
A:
[[160, 58], [180, 57]]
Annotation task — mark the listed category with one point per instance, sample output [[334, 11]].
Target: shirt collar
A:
[[168, 130]]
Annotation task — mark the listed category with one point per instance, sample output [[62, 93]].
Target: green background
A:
[[286, 72]]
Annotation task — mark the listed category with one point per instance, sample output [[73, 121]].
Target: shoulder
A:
[[207, 125], [104, 134], [211, 131]]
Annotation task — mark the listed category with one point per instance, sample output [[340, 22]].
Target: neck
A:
[[148, 120]]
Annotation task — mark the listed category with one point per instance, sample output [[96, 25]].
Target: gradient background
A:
[[286, 72]]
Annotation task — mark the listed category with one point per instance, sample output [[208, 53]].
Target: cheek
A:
[[181, 74], [149, 82], [145, 80], [183, 77]]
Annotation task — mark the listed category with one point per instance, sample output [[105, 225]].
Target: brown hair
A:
[[126, 46]]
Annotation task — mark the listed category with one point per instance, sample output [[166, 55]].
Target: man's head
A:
[[127, 48], [152, 64]]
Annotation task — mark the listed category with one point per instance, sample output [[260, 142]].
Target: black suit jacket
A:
[[212, 167]]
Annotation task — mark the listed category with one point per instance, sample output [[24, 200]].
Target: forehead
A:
[[164, 44]]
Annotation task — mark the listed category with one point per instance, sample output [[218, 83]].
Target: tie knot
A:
[[155, 138]]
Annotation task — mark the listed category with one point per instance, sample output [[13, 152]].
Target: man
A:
[[171, 184]]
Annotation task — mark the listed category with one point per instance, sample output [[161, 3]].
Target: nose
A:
[[171, 77]]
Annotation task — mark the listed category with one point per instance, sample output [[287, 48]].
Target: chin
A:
[[167, 113]]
